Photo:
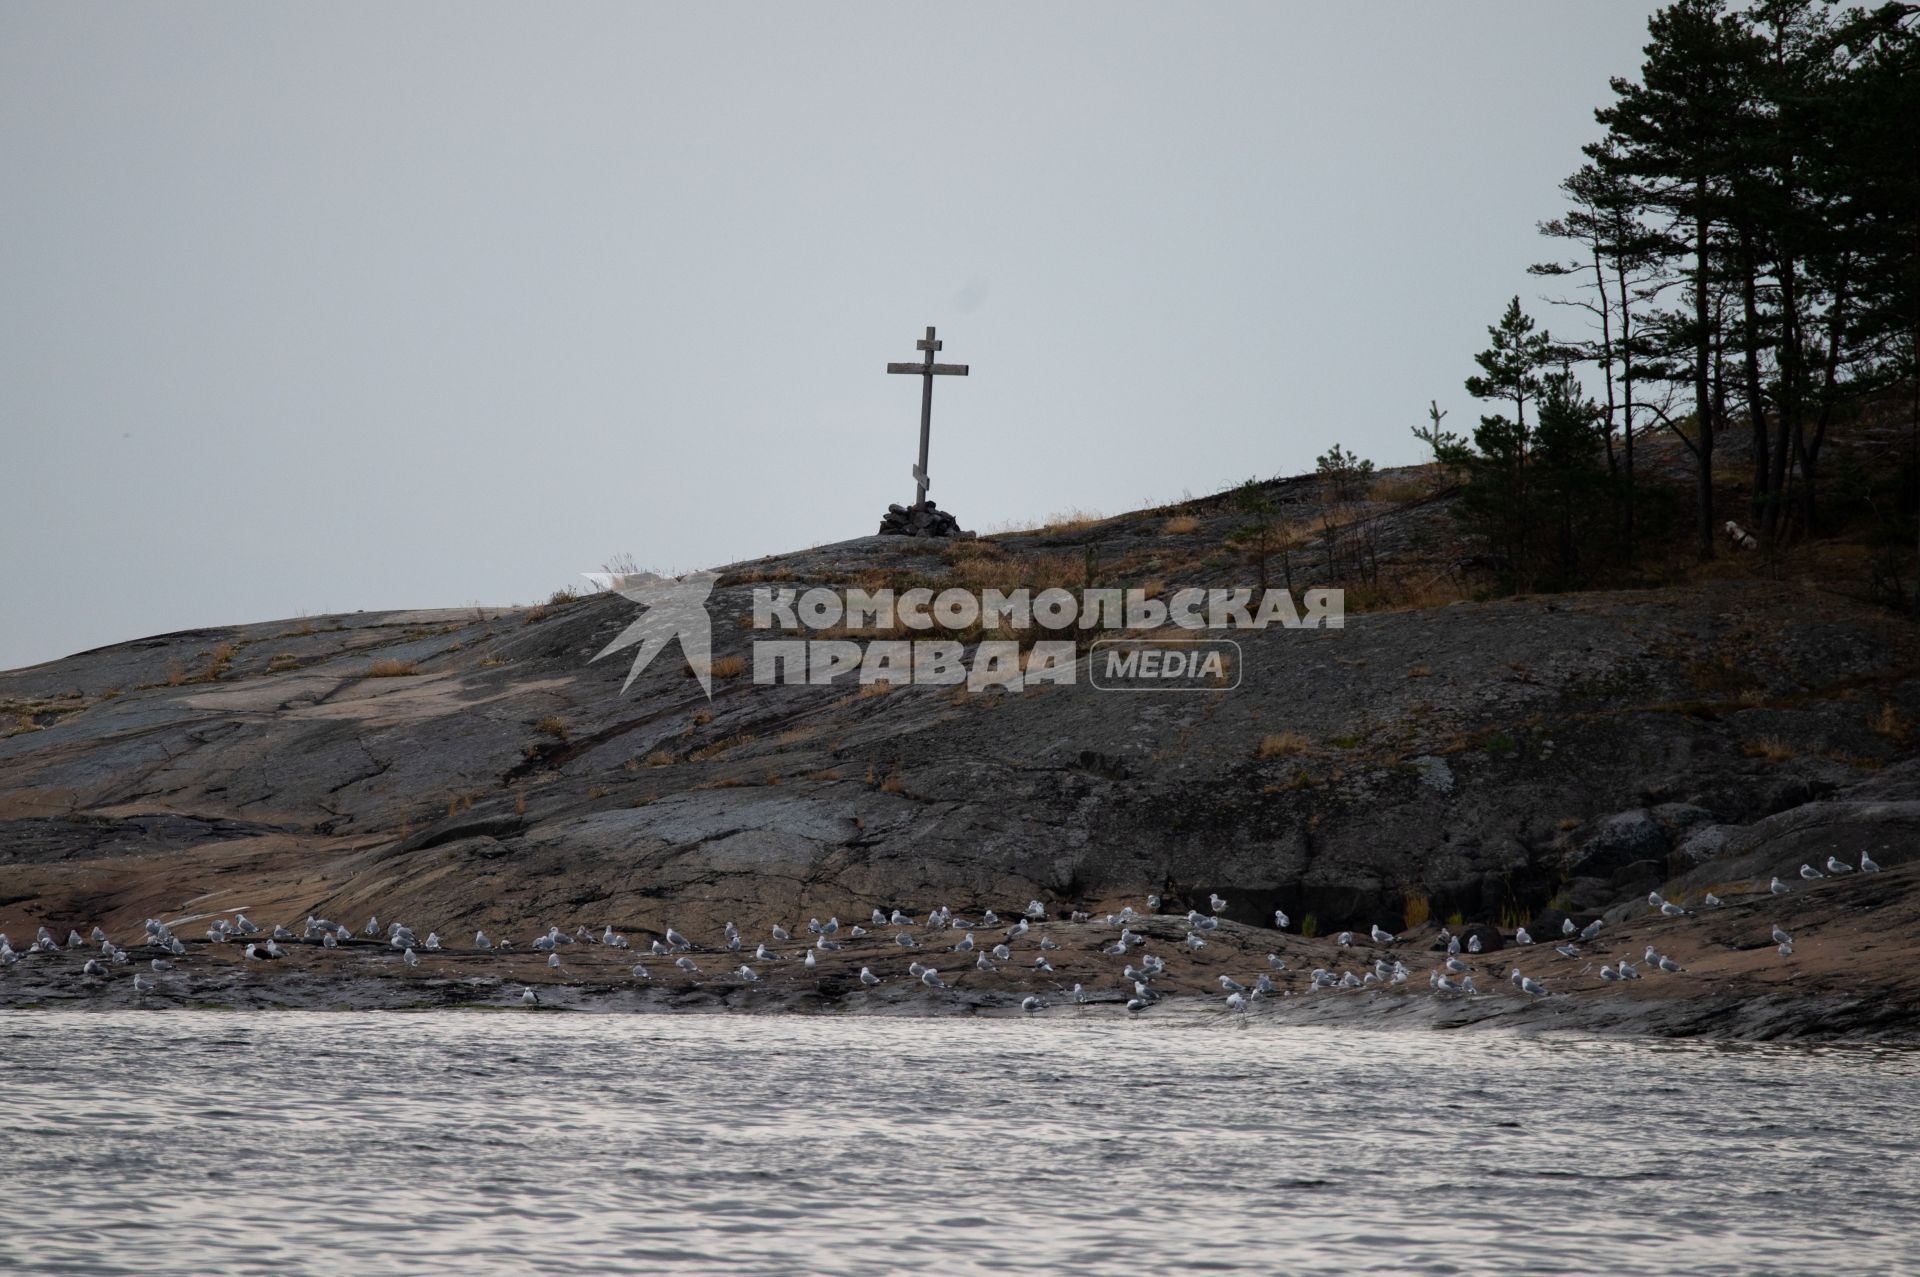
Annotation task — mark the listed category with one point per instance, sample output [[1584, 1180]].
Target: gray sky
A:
[[310, 308]]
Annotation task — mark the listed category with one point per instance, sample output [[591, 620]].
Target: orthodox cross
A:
[[926, 370]]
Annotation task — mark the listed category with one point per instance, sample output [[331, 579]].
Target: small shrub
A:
[[660, 758], [390, 668], [1770, 748], [537, 612], [701, 717], [562, 597], [728, 667], [552, 725], [221, 659], [1282, 745], [1309, 926], [1418, 910], [893, 785], [1455, 919]]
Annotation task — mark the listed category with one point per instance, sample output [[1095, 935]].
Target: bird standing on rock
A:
[[1520, 936], [1835, 865], [1868, 865], [1380, 936], [1810, 873], [1778, 888]]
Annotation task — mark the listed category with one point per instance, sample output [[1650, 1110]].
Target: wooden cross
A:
[[927, 370]]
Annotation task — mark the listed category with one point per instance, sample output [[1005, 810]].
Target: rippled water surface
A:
[[475, 1143]]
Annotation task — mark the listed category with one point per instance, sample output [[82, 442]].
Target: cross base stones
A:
[[921, 519]]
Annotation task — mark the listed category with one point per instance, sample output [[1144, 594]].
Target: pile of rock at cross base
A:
[[921, 519]]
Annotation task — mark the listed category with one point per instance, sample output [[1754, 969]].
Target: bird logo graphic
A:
[[675, 609]]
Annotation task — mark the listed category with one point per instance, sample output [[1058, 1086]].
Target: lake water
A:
[[475, 1143]]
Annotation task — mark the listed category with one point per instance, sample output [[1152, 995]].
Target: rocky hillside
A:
[[474, 770]]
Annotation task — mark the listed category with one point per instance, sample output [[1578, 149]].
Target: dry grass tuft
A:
[[1771, 748], [390, 668], [1420, 671], [1891, 723], [1418, 910], [1282, 745], [728, 667], [552, 725], [660, 758], [1181, 525], [1072, 520]]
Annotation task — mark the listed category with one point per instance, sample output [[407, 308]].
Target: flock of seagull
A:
[[934, 944]]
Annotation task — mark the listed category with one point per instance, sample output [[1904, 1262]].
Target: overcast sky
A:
[[312, 308]]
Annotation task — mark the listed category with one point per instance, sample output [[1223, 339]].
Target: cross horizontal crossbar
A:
[[938, 370]]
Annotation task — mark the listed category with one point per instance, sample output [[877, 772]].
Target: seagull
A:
[[1473, 944], [1785, 951], [748, 974], [659, 949], [1710, 900], [1046, 942], [1381, 937], [1344, 939], [1036, 910], [1520, 936], [545, 944], [1263, 985], [1779, 936], [640, 971], [373, 926], [1280, 920], [905, 940], [1672, 910], [137, 986], [1232, 985], [984, 963], [1566, 951], [1668, 964], [686, 964], [161, 964], [433, 939], [1566, 927], [1444, 984], [1778, 888], [677, 940], [917, 969], [1236, 1002], [763, 954], [1136, 1005], [1001, 952], [827, 946], [1592, 929], [931, 978], [1041, 964], [412, 958], [610, 937], [812, 962], [480, 940], [780, 932], [833, 926], [1527, 985], [1868, 865], [1809, 872], [1627, 971], [900, 919], [1456, 966], [93, 967], [1453, 944], [330, 941], [1835, 865], [1275, 961], [868, 978], [1031, 1003], [553, 960], [1079, 994], [1153, 902], [1655, 900], [1194, 942], [1608, 973], [1218, 905], [529, 997]]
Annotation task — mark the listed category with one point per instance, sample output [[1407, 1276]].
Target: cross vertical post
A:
[[926, 370]]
